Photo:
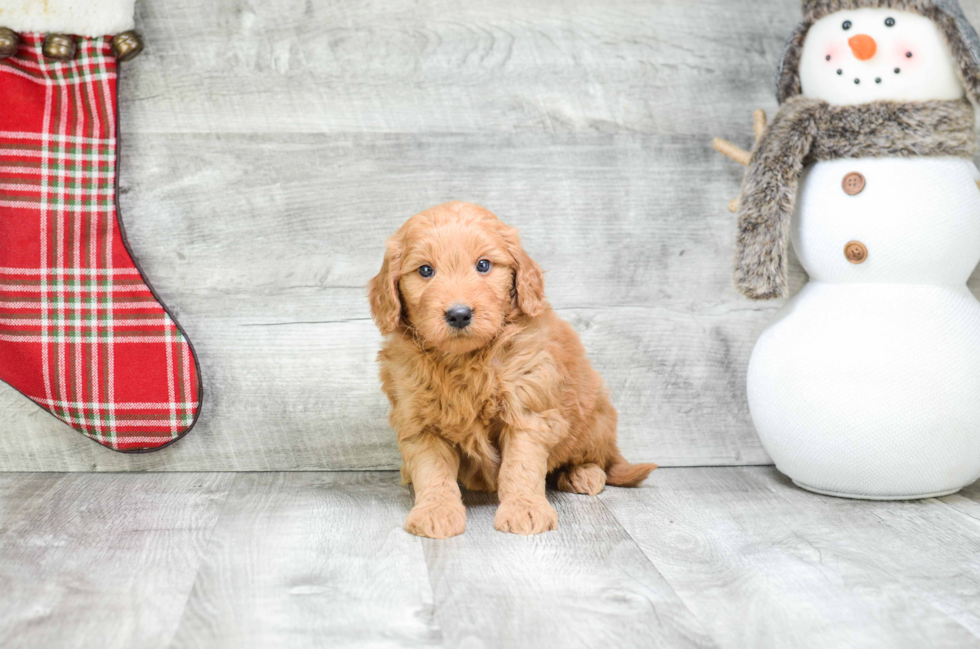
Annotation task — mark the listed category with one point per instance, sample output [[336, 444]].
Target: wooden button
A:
[[856, 252], [854, 183]]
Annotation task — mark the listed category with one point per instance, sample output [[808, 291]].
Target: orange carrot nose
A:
[[863, 46]]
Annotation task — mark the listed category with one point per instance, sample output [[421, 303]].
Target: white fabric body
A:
[[79, 17], [930, 74], [919, 218], [867, 383]]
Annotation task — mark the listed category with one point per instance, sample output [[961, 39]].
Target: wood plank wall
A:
[[270, 147]]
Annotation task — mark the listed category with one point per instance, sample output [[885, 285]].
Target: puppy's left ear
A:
[[386, 299], [528, 278]]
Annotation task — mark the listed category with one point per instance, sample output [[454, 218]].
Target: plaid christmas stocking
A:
[[81, 332]]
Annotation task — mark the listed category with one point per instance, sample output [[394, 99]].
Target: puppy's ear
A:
[[528, 278], [386, 302]]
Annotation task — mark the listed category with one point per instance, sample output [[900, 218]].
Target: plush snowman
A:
[[867, 384]]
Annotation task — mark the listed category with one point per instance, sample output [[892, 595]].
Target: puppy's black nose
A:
[[459, 316]]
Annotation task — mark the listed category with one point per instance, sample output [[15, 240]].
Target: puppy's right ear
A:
[[386, 302]]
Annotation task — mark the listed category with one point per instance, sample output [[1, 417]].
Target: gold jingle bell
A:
[[127, 45], [9, 42], [59, 47]]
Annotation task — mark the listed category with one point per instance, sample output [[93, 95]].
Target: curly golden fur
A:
[[498, 405]]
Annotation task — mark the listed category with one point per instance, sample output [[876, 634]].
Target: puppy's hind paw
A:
[[588, 479], [526, 517], [439, 521]]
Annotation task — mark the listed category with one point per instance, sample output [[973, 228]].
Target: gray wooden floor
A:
[[710, 557]]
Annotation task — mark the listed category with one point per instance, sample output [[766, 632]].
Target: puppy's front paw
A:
[[526, 517], [436, 521]]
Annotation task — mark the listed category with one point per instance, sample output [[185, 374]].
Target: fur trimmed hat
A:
[[947, 14]]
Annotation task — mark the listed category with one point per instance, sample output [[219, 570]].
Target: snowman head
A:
[[857, 51], [858, 56]]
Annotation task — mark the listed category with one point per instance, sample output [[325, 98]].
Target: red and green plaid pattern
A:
[[81, 333]]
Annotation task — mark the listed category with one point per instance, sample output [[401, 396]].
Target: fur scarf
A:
[[807, 130]]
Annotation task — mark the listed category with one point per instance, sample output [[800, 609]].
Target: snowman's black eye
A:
[[426, 271], [847, 25], [483, 266], [889, 22]]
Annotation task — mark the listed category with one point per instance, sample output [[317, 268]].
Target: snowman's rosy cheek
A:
[[834, 53], [905, 56]]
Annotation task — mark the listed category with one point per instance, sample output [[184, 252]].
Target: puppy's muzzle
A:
[[459, 316]]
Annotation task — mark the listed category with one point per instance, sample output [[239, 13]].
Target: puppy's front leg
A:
[[432, 465], [524, 509]]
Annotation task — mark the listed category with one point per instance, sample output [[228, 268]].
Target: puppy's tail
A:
[[623, 474]]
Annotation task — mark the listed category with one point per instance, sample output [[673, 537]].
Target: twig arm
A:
[[736, 153], [760, 122]]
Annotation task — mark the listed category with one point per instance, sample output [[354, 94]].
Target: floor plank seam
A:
[[958, 511], [428, 573], [206, 550], [871, 509], [653, 565]]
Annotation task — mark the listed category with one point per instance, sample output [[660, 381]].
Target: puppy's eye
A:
[[426, 271], [483, 266], [889, 22], [847, 25]]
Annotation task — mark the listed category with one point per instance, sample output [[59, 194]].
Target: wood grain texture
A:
[[270, 148], [320, 560], [312, 560], [101, 560], [585, 585], [709, 557], [444, 66], [271, 293], [764, 564]]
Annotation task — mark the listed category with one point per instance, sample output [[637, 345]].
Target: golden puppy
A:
[[488, 387]]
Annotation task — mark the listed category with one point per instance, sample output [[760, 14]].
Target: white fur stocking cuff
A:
[[79, 17]]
